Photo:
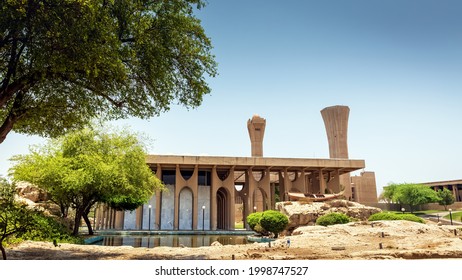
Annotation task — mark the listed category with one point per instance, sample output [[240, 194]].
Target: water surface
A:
[[170, 240]]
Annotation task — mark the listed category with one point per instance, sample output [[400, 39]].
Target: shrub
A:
[[332, 219], [253, 219], [51, 229], [383, 216], [270, 221], [258, 228], [412, 218], [394, 216], [274, 221]]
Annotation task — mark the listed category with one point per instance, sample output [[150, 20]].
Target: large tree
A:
[[89, 166], [412, 194], [65, 62]]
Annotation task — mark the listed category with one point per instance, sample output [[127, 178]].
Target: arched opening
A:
[[258, 175], [223, 209], [259, 201], [185, 213]]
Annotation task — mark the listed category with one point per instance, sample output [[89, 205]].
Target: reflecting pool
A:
[[150, 241]]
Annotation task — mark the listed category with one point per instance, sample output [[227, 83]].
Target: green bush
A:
[[274, 221], [332, 219], [253, 219], [383, 216], [51, 229], [270, 221], [395, 216]]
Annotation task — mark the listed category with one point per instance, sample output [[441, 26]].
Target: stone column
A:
[[119, 220], [214, 186], [454, 192], [322, 182]]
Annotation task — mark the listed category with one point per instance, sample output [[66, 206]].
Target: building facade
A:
[[203, 191]]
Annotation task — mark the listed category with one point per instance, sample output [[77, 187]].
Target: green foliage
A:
[[63, 63], [410, 194], [332, 219], [274, 221], [258, 228], [90, 166], [394, 216], [15, 218], [254, 219], [445, 197], [388, 193], [269, 221], [18, 223], [50, 229], [384, 216]]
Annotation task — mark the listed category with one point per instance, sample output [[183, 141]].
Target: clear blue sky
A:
[[397, 64]]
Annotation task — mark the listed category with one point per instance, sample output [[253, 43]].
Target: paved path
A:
[[438, 217]]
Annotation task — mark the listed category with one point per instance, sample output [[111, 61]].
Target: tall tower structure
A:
[[336, 123], [256, 127]]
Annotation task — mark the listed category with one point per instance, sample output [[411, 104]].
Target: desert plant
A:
[[274, 221], [270, 221], [332, 219], [253, 219], [393, 216]]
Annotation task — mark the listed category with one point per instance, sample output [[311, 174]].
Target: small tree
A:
[[15, 219], [254, 219], [89, 166], [270, 221], [445, 198]]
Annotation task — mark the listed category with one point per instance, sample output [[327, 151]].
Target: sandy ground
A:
[[360, 240]]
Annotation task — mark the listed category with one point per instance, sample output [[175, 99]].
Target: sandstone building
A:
[[204, 191]]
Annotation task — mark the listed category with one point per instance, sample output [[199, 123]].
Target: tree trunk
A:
[[12, 117], [6, 127], [3, 250], [87, 221], [78, 217]]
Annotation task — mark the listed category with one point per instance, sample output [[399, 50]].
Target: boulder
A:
[[303, 213], [31, 192]]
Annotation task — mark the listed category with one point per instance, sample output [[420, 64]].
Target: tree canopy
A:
[[445, 197], [410, 194], [65, 62], [90, 166]]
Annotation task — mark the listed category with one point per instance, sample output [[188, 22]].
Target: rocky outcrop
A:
[[31, 192], [36, 198], [306, 213]]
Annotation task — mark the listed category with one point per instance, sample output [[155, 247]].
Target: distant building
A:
[[455, 186], [363, 188], [204, 191]]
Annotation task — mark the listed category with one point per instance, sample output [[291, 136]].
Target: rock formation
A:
[[303, 213], [36, 198]]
